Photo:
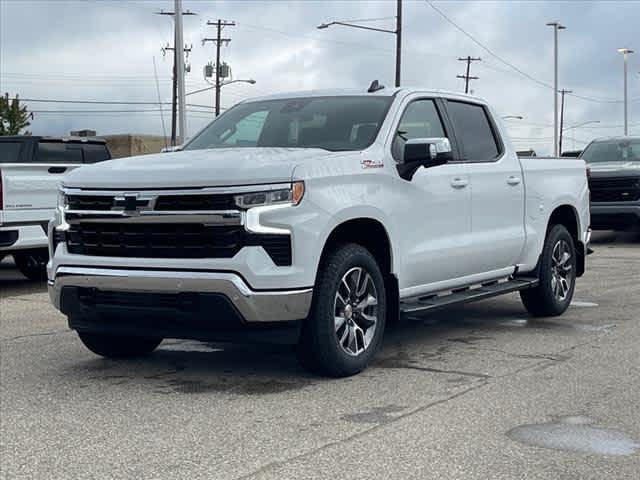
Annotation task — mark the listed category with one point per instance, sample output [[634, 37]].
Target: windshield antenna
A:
[[375, 86]]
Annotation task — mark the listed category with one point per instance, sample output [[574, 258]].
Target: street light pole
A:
[[556, 26], [625, 52], [397, 32], [564, 92]]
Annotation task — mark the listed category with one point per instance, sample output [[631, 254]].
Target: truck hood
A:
[[621, 167], [195, 168]]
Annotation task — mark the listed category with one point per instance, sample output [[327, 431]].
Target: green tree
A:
[[13, 117]]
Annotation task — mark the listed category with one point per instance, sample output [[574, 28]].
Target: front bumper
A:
[[73, 291], [615, 216]]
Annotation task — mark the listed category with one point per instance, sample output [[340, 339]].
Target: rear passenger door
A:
[[497, 189]]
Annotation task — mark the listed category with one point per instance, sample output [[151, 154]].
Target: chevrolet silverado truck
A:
[[317, 218], [31, 169], [614, 165]]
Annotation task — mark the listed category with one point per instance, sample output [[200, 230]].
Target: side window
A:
[[95, 152], [419, 120], [473, 131], [59, 152], [10, 152], [247, 131]]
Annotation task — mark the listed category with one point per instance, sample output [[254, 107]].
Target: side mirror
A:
[[424, 152]]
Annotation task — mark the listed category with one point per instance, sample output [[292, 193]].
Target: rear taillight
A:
[[589, 182], [1, 196]]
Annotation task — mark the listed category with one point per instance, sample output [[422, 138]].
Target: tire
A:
[[557, 275], [348, 312], [118, 346], [33, 264]]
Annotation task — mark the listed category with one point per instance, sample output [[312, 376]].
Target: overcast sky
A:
[[104, 50]]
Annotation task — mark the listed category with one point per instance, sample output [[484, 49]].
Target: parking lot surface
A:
[[480, 391]]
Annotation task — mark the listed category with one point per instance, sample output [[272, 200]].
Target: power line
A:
[[514, 67], [105, 102]]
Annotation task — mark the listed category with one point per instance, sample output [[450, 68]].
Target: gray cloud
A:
[[104, 50]]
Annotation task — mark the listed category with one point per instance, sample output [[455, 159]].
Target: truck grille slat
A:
[[172, 241], [615, 189]]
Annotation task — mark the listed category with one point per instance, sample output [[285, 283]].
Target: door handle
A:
[[459, 182], [513, 180], [57, 169]]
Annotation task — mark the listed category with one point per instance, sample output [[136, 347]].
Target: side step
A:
[[458, 296]]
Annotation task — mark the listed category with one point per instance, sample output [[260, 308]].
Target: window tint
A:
[[331, 123], [473, 131], [622, 150], [419, 120], [247, 131], [95, 153], [58, 152], [9, 151]]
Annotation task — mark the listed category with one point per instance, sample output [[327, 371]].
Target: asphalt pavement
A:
[[481, 391]]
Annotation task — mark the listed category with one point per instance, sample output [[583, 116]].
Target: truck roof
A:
[[345, 92], [617, 137]]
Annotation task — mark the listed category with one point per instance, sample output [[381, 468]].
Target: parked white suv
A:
[[319, 215], [31, 169]]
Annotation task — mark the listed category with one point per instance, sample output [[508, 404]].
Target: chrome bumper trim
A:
[[254, 306]]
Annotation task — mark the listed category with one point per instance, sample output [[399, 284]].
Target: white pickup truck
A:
[[31, 170], [317, 217]]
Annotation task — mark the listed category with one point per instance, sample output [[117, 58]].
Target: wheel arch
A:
[[567, 216], [371, 234]]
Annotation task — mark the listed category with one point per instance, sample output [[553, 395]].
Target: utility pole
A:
[[176, 60], [556, 26], [466, 77], [625, 52], [182, 114], [563, 92], [398, 40], [220, 24]]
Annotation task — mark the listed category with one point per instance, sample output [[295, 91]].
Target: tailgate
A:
[[30, 191]]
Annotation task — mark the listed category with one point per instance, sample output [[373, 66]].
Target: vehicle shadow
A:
[[619, 238], [12, 282], [180, 366]]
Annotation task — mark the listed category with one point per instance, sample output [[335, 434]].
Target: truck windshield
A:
[[330, 123], [622, 150]]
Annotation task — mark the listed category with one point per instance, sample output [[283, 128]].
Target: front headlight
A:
[[292, 195]]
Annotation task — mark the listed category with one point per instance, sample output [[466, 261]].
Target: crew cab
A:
[[614, 165], [31, 169], [316, 217]]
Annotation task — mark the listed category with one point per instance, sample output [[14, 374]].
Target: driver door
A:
[[435, 216]]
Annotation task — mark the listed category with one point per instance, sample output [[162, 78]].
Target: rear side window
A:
[[59, 152], [10, 152], [473, 131], [94, 153]]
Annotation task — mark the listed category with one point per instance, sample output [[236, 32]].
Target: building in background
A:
[[127, 145]]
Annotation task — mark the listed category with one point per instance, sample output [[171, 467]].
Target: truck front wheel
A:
[[118, 346], [557, 275], [347, 318]]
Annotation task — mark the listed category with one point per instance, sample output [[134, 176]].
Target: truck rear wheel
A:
[[118, 346], [557, 275], [347, 318], [33, 264]]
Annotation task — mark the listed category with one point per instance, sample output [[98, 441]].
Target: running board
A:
[[468, 294]]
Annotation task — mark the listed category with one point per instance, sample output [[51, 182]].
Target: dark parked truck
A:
[[614, 183]]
